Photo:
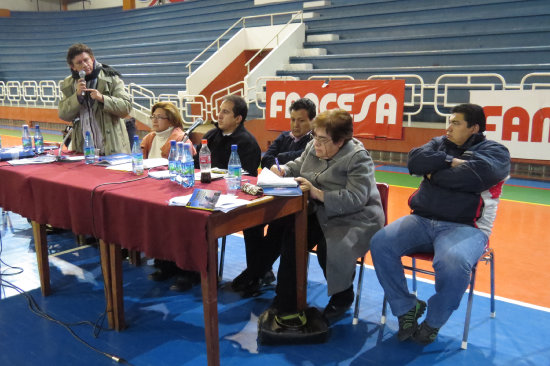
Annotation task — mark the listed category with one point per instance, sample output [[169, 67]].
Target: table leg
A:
[[116, 286], [111, 267], [209, 285], [41, 248], [300, 222], [105, 269]]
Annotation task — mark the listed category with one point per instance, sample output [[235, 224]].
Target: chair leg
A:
[[414, 275], [384, 305], [469, 309], [222, 257], [492, 259], [358, 295]]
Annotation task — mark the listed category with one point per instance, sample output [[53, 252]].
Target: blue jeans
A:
[[456, 247]]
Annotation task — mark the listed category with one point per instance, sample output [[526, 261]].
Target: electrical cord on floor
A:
[[35, 308]]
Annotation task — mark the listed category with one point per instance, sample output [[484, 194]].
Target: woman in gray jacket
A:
[[344, 211]]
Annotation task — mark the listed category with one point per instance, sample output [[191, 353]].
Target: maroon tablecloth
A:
[[135, 215]]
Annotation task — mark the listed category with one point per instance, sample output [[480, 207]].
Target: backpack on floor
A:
[[309, 326]]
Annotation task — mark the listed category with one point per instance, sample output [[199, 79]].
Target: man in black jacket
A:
[[229, 131], [262, 252], [453, 212]]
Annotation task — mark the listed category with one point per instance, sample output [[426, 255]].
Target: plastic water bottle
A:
[[26, 138], [179, 161], [38, 141], [172, 160], [89, 149], [205, 159], [137, 157], [234, 169], [188, 167]]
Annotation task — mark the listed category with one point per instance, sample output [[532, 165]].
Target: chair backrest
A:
[[384, 190]]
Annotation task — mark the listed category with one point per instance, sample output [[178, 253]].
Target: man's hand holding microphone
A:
[[81, 88]]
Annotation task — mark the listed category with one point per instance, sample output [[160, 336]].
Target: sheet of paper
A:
[[147, 164], [267, 178], [225, 203], [41, 159]]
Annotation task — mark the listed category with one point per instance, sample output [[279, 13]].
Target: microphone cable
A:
[[106, 184], [35, 308]]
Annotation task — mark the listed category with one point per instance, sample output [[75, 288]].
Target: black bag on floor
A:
[[309, 326]]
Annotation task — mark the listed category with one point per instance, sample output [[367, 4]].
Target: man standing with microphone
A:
[[95, 93]]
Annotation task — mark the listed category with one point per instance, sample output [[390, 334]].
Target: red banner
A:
[[376, 105]]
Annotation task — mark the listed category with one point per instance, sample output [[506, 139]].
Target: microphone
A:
[[197, 123], [59, 157], [82, 75]]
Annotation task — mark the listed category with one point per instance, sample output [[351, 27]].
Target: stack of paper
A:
[[267, 178], [273, 185], [226, 202]]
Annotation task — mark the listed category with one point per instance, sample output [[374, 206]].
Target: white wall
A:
[[30, 5], [55, 5]]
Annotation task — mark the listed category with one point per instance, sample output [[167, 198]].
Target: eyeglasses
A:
[[321, 139], [158, 117]]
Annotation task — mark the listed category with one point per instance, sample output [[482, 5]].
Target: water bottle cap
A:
[[87, 133], [233, 147], [172, 142], [187, 147], [136, 138], [37, 127], [204, 141]]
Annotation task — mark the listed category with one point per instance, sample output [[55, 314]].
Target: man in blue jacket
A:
[[453, 212]]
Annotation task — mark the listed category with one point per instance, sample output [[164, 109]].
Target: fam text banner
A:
[[518, 119]]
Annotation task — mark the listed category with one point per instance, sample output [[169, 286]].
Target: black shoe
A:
[[161, 275], [268, 278], [339, 304], [186, 281], [425, 334], [250, 287], [408, 321], [240, 282]]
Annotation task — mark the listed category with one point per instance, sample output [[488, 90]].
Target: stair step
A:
[[310, 15], [316, 4], [298, 67], [308, 52], [323, 37]]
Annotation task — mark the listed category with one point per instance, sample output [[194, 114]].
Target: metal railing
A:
[[275, 37], [46, 93], [243, 20]]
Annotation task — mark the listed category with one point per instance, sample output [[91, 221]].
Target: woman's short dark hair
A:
[[174, 116], [239, 106], [473, 114], [304, 103], [75, 50], [337, 122]]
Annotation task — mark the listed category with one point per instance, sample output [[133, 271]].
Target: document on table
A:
[[147, 164], [267, 178], [226, 202], [41, 159]]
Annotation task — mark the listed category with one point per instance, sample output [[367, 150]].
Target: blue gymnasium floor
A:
[[166, 328]]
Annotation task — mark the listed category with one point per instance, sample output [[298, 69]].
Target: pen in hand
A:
[[277, 162]]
